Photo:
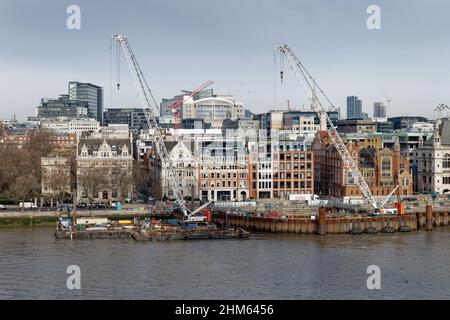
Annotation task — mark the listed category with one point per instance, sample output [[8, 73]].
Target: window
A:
[[386, 165], [446, 161]]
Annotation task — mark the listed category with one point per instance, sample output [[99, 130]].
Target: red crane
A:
[[177, 104]]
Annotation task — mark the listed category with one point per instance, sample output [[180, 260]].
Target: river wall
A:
[[325, 223]]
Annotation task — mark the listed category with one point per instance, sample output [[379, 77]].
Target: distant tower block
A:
[[379, 110]]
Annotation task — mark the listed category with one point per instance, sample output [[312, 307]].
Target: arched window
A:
[[386, 164], [446, 161]]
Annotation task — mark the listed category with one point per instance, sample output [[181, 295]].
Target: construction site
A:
[[234, 214]]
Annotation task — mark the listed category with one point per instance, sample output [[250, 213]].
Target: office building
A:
[[354, 108], [91, 94], [133, 117], [61, 107], [405, 122], [379, 110]]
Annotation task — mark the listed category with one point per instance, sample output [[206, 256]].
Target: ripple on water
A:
[[33, 266]]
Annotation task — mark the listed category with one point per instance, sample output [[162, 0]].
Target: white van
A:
[[27, 205]]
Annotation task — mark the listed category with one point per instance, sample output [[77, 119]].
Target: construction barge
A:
[[146, 230], [94, 228], [188, 231]]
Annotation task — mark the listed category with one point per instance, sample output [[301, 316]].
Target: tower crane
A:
[[318, 105], [177, 104], [147, 98]]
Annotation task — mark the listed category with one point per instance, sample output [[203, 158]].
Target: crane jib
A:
[[349, 162], [146, 97]]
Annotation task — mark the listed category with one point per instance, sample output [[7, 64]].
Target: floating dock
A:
[[93, 234], [194, 234], [147, 230]]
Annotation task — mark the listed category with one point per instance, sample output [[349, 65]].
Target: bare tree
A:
[[21, 165], [10, 168], [124, 182], [40, 142], [25, 186], [141, 179], [59, 183], [92, 180]]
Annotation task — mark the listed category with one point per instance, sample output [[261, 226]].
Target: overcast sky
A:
[[181, 44]]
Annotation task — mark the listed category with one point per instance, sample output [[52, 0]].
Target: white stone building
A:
[[185, 166], [433, 158], [66, 126], [105, 166], [213, 110]]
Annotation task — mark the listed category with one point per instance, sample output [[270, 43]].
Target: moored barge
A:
[[194, 234]]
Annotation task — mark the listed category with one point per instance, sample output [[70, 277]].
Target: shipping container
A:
[[125, 222]]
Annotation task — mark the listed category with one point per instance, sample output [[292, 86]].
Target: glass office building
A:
[[354, 108], [90, 93]]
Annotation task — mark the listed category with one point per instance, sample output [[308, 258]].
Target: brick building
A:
[[293, 170], [382, 168]]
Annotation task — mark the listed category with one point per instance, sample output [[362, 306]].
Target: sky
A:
[[181, 44]]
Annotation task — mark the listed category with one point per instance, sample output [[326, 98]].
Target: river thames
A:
[[33, 265]]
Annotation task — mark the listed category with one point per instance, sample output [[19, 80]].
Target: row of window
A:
[[225, 184], [295, 166], [295, 156], [213, 175], [295, 185]]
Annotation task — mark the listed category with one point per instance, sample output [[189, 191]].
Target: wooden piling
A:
[[429, 218], [322, 223]]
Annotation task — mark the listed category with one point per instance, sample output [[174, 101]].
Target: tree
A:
[[92, 180], [59, 183], [25, 186], [40, 142], [141, 179], [10, 167], [124, 182], [19, 163]]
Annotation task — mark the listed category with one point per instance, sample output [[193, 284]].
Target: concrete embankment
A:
[[326, 223], [50, 217]]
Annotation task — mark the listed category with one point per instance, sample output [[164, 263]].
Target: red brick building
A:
[[383, 169]]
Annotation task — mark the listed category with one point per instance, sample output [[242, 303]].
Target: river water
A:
[[413, 266]]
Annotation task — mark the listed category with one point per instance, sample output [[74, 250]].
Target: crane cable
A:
[[111, 65], [118, 64]]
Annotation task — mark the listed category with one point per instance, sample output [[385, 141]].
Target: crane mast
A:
[[146, 97], [349, 163]]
